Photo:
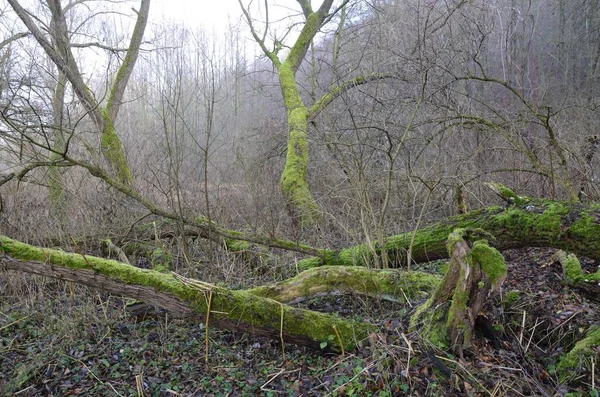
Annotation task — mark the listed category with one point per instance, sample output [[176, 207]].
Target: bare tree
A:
[[57, 44]]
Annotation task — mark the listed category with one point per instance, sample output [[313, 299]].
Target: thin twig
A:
[[522, 328], [339, 339], [281, 334], [206, 338]]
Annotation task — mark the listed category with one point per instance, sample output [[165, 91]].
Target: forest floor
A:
[[64, 340]]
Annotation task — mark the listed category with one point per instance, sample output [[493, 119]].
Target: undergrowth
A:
[[61, 339]]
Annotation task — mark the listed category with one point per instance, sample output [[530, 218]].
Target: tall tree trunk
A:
[[55, 182], [294, 181]]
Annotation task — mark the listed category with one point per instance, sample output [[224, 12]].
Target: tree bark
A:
[[385, 284]]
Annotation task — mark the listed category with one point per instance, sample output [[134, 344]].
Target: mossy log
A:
[[572, 226], [448, 317], [228, 309], [386, 284], [574, 277], [579, 358]]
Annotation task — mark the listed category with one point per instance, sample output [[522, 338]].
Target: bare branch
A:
[[326, 99], [19, 175], [272, 55], [66, 61], [13, 38], [98, 45], [211, 230]]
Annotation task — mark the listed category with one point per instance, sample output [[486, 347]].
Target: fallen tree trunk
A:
[[384, 284], [571, 226], [227, 309]]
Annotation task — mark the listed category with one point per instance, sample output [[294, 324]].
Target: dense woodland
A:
[[389, 197]]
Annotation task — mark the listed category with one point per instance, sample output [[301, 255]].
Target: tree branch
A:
[[326, 99], [12, 38], [272, 55], [209, 231], [314, 22], [98, 45]]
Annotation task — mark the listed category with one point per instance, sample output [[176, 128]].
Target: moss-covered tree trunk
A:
[[384, 284], [110, 142], [228, 309], [448, 317], [294, 181], [524, 222]]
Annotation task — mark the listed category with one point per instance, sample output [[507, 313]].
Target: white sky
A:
[[210, 14], [215, 16]]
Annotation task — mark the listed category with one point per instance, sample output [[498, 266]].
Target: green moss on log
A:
[[507, 194], [565, 225], [359, 255], [572, 267], [114, 269], [238, 307], [491, 262], [237, 245], [378, 283], [573, 361], [575, 276]]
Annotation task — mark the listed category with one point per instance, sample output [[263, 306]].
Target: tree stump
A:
[[448, 317]]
